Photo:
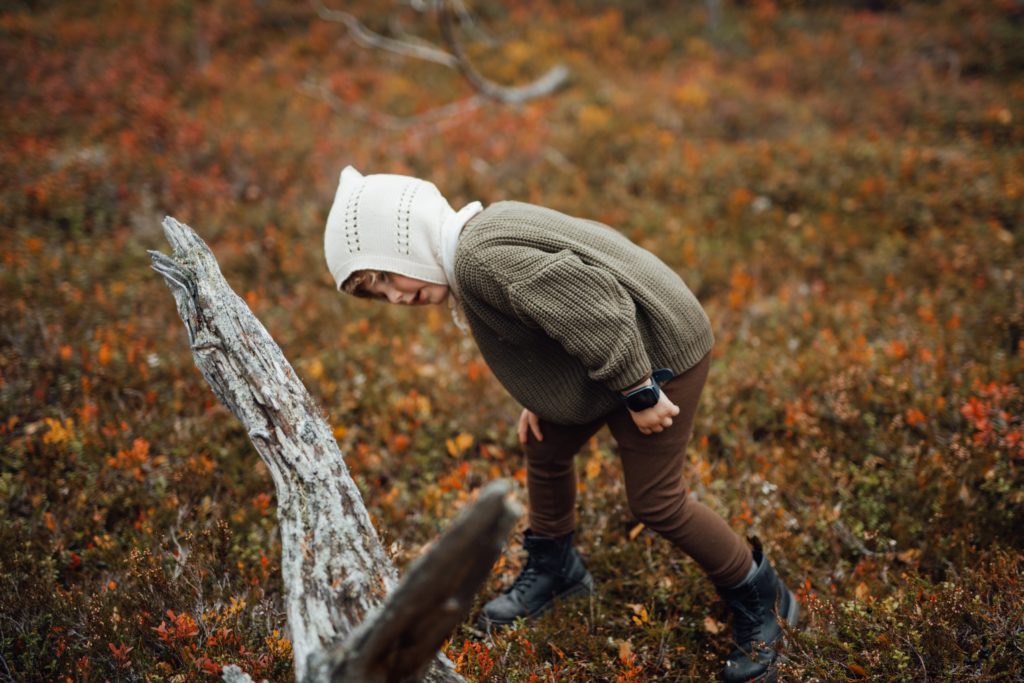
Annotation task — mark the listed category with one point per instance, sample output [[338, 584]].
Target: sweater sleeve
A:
[[589, 313]]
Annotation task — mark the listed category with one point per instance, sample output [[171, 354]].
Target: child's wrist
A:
[[646, 382]]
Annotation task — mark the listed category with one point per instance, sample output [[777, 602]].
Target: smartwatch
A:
[[648, 396]]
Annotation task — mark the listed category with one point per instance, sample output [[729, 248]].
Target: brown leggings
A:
[[655, 487]]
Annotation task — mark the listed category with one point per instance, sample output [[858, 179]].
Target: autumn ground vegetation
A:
[[841, 184]]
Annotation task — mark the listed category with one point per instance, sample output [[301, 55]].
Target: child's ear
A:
[[349, 173]]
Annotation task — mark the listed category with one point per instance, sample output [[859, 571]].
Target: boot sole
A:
[[584, 587]]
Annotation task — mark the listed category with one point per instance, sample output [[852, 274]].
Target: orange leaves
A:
[[474, 657], [399, 443], [872, 185], [132, 459], [459, 444], [120, 654], [592, 119], [414, 405], [857, 670], [896, 349], [991, 422], [739, 199], [456, 479], [632, 669], [59, 431], [520, 476], [103, 355], [475, 370], [693, 96], [640, 617], [277, 645], [746, 515], [977, 413], [209, 667], [181, 627], [915, 417], [741, 284], [261, 503]]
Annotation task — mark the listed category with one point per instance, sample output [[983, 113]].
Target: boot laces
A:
[[531, 572], [747, 618]]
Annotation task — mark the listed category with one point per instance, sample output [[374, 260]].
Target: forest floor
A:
[[843, 189]]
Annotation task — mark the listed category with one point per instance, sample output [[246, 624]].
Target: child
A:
[[573, 319]]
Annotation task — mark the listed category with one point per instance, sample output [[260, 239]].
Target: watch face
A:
[[642, 399]]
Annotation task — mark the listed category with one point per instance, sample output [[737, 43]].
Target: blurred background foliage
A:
[[840, 183]]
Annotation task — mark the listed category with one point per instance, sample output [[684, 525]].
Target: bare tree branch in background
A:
[[454, 57], [368, 38]]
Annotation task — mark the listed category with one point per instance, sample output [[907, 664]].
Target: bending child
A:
[[579, 324]]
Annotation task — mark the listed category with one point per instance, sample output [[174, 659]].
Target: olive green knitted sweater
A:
[[567, 312]]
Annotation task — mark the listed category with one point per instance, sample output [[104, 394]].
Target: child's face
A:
[[400, 289]]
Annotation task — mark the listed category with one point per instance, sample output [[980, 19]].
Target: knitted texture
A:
[[386, 222], [568, 312]]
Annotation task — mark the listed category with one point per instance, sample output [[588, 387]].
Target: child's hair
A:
[[356, 283]]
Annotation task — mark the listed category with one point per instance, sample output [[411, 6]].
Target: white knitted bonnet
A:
[[385, 222]]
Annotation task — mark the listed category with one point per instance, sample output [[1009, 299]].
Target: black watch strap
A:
[[662, 375]]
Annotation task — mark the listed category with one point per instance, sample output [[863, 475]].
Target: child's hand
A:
[[529, 422], [657, 418]]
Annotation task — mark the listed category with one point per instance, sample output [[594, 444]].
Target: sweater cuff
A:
[[634, 367]]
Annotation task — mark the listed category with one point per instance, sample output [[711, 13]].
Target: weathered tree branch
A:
[[334, 569], [435, 595], [455, 57]]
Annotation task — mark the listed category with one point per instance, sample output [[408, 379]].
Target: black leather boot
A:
[[553, 570], [757, 607]]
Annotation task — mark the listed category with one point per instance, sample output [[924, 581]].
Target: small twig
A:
[[368, 38], [182, 557], [851, 540], [470, 25], [3, 660]]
